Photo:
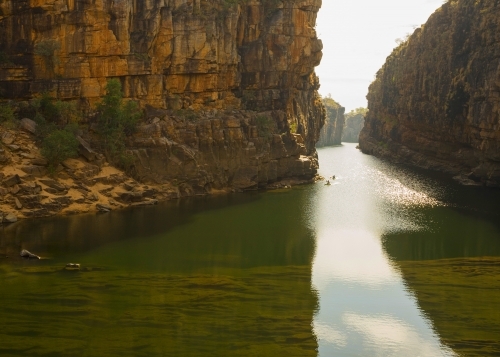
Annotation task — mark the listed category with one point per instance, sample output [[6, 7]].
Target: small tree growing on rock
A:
[[58, 146], [116, 120]]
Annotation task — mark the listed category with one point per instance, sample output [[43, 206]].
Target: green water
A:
[[387, 261]]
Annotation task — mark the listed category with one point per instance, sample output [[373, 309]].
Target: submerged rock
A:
[[72, 266], [26, 254]]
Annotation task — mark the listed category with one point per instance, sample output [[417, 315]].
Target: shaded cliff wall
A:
[[436, 101], [221, 60], [331, 133], [354, 121]]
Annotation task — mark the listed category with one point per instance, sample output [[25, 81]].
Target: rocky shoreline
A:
[[27, 190]]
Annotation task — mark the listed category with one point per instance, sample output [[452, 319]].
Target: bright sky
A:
[[357, 37]]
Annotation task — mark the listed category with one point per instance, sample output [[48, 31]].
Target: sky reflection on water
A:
[[365, 308]]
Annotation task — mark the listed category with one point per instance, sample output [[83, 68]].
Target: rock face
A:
[[331, 133], [436, 101], [205, 56], [240, 149], [354, 122]]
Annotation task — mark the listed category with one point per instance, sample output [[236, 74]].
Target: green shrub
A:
[[66, 113], [115, 121], [45, 107], [58, 146], [6, 113], [51, 115], [43, 127]]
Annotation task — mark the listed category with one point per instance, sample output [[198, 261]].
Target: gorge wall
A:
[[354, 121], [331, 133], [436, 101], [228, 86]]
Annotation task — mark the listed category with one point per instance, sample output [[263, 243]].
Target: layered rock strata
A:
[[436, 101], [224, 81], [331, 133]]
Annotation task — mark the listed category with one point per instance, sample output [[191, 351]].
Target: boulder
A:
[[53, 184], [148, 202], [26, 155], [15, 189], [85, 150], [73, 164], [53, 191], [39, 161], [30, 201], [11, 180], [18, 203], [8, 138], [131, 196], [128, 186], [4, 158], [37, 171], [9, 218], [102, 207], [28, 125]]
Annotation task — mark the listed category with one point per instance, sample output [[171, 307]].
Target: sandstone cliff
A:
[[331, 133], [354, 121], [436, 101], [228, 86]]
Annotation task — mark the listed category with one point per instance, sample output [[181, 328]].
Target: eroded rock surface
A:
[[436, 101], [230, 65]]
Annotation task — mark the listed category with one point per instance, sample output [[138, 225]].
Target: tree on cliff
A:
[[116, 120]]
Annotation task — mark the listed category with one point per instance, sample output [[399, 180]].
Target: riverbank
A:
[[28, 190]]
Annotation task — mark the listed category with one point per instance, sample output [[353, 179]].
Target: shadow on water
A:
[[65, 235], [452, 266], [224, 276]]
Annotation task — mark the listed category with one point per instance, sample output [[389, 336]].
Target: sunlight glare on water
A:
[[367, 199]]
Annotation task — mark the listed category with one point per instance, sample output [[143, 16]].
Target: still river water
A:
[[387, 261]]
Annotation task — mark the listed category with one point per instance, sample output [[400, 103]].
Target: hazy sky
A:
[[357, 37]]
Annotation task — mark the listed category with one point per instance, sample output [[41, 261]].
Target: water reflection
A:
[[230, 276], [365, 308], [407, 261], [387, 261], [353, 255]]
